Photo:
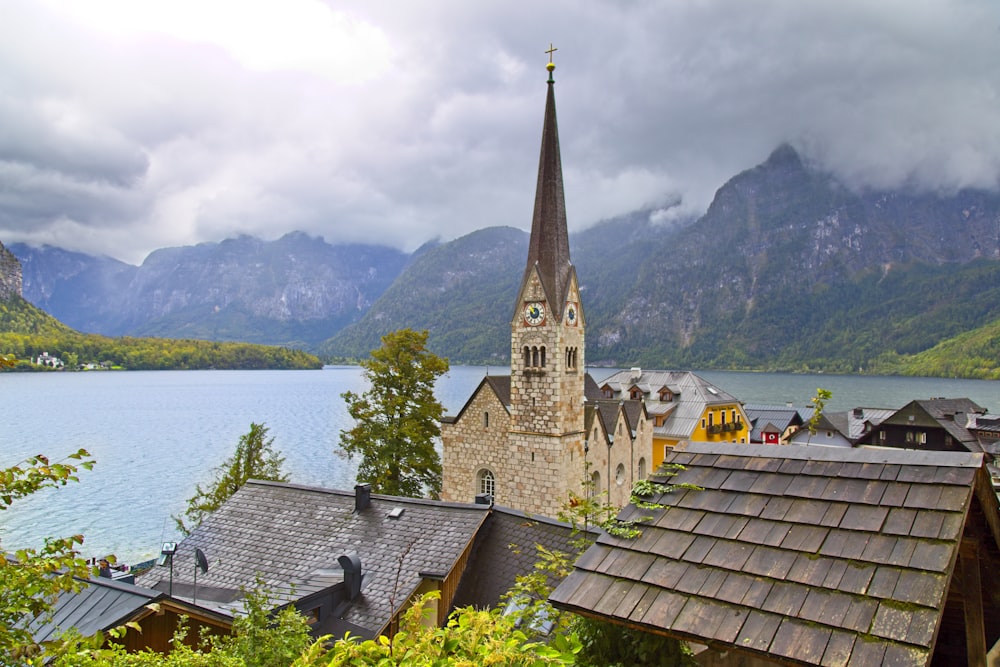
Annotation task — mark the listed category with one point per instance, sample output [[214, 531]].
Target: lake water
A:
[[156, 434]]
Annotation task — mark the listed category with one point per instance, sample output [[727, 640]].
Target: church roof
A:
[[548, 248]]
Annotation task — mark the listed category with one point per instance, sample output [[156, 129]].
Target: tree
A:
[[819, 404], [254, 458], [32, 579], [397, 419]]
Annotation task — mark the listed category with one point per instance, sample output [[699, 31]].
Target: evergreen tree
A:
[[254, 458], [397, 419]]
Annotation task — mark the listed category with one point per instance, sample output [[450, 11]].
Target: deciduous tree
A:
[[397, 419], [32, 579], [254, 458]]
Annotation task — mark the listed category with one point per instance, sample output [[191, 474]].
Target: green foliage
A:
[[397, 418], [605, 644], [254, 458], [819, 403], [26, 331], [470, 638], [593, 509], [262, 637], [32, 579]]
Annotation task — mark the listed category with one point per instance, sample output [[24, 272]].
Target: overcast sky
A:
[[130, 125]]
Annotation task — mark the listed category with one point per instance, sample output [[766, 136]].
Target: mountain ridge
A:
[[788, 269]]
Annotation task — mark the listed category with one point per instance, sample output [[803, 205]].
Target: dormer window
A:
[[635, 394], [666, 396]]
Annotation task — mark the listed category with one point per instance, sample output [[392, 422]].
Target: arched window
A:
[[486, 419], [486, 482], [620, 474], [595, 484], [527, 356], [642, 468], [534, 356], [543, 355]]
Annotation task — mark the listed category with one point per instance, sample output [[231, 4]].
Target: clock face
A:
[[534, 313], [571, 314]]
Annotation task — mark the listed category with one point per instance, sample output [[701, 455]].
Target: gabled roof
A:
[[805, 555], [778, 416], [498, 384], [950, 414], [506, 548], [101, 604], [292, 535], [693, 393]]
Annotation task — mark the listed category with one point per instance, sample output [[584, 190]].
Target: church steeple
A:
[[548, 249]]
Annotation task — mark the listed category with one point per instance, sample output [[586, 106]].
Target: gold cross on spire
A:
[[550, 51], [551, 66]]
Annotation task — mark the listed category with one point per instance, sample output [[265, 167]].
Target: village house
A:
[[940, 424], [772, 424], [352, 561]]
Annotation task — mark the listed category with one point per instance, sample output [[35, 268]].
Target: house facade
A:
[[938, 424]]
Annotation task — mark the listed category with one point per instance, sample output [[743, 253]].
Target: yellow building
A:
[[682, 407]]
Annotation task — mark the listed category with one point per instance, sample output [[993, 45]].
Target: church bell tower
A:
[[547, 344]]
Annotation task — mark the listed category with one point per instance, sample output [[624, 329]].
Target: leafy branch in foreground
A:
[[32, 579]]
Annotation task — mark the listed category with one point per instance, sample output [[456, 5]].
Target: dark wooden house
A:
[[808, 555], [103, 603], [939, 424]]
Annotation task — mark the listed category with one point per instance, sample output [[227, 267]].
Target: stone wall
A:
[[473, 443], [10, 275]]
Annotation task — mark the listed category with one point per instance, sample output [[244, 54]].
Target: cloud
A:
[[127, 126]]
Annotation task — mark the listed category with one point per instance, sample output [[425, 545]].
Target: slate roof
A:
[[809, 555], [291, 536], [778, 416], [505, 548]]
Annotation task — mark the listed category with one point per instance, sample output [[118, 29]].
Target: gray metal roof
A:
[[100, 604], [692, 394], [291, 536]]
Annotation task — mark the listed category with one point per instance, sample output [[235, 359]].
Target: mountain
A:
[[789, 269], [297, 290]]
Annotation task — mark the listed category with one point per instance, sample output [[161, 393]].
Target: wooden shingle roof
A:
[[805, 555]]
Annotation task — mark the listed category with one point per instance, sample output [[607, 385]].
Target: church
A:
[[524, 439], [529, 439]]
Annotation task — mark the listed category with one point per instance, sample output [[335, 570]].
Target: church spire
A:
[[548, 249]]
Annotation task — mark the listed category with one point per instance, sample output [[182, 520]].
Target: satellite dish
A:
[[202, 562]]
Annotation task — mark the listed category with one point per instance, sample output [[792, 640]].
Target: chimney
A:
[[859, 413], [351, 565], [362, 497]]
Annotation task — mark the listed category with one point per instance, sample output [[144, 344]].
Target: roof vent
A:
[[859, 413], [362, 497], [396, 512], [351, 565], [484, 499]]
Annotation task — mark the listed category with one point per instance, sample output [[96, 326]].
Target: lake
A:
[[156, 434]]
